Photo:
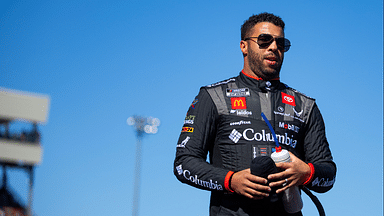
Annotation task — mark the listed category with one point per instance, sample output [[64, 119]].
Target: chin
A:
[[271, 75]]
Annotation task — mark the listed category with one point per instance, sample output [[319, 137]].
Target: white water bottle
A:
[[291, 198]]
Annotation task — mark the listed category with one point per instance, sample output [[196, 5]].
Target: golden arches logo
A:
[[238, 103]]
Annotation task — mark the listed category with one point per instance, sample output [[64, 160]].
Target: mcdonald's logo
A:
[[187, 129], [238, 103]]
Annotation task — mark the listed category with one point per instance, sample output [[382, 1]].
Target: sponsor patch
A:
[[243, 92], [187, 129], [251, 135], [288, 99], [282, 113], [289, 127], [184, 142], [298, 114], [179, 169], [194, 102], [238, 103], [261, 150], [213, 185], [235, 136], [241, 112], [322, 182], [240, 123], [190, 119]]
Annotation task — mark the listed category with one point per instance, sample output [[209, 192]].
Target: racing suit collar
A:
[[258, 84]]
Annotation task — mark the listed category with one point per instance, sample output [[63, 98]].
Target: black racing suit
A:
[[224, 121]]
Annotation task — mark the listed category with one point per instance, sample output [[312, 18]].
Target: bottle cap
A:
[[278, 149]]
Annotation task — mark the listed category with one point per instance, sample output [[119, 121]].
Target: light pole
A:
[[142, 126]]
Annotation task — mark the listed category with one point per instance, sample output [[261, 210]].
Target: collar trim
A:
[[256, 78]]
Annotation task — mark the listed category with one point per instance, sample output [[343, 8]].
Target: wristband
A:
[[227, 181], [312, 174]]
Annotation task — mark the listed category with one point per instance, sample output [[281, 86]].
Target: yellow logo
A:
[[238, 103], [187, 129]]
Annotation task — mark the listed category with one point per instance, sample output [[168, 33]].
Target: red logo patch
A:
[[288, 99], [187, 129], [238, 103]]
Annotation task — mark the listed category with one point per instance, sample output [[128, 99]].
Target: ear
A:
[[244, 47]]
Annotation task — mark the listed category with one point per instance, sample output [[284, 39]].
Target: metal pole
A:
[[142, 126], [30, 194], [136, 188]]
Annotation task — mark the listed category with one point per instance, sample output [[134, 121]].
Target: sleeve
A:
[[317, 153], [196, 140]]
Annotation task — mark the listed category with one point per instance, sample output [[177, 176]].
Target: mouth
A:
[[271, 60]]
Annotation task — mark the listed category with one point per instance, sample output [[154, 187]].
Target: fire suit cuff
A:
[[227, 181], [312, 174]]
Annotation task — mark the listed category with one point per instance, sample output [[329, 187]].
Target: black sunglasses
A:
[[264, 40]]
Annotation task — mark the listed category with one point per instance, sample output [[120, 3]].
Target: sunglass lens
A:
[[287, 44], [264, 40], [283, 44]]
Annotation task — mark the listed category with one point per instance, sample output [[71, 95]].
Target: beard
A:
[[256, 63]]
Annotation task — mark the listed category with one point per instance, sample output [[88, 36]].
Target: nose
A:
[[273, 46]]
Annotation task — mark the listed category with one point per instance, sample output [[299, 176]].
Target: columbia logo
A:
[[235, 136], [179, 169]]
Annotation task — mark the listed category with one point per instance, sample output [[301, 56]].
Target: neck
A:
[[250, 74]]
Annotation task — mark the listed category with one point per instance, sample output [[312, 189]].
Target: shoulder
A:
[[298, 92], [221, 83]]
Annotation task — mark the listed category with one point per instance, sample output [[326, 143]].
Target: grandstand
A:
[[20, 149]]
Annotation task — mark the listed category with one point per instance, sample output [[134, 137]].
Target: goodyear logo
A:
[[187, 129], [238, 103]]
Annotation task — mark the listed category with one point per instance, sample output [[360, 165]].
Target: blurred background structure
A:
[[20, 149], [142, 126]]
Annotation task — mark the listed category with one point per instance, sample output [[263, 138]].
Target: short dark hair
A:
[[263, 17]]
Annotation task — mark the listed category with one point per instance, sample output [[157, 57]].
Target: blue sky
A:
[[103, 61]]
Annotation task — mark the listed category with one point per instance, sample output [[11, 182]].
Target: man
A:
[[224, 121]]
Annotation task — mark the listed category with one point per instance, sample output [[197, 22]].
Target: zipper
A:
[[272, 98]]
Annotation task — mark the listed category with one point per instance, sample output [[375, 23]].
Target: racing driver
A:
[[224, 131]]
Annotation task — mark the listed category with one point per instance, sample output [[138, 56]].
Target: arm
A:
[[318, 153], [190, 165], [318, 172]]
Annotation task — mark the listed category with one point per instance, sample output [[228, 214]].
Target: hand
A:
[[248, 185], [295, 173]]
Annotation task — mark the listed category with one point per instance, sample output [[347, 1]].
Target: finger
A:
[[257, 179], [253, 194], [280, 175], [281, 183], [283, 188], [287, 183], [258, 193], [255, 197], [263, 188]]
